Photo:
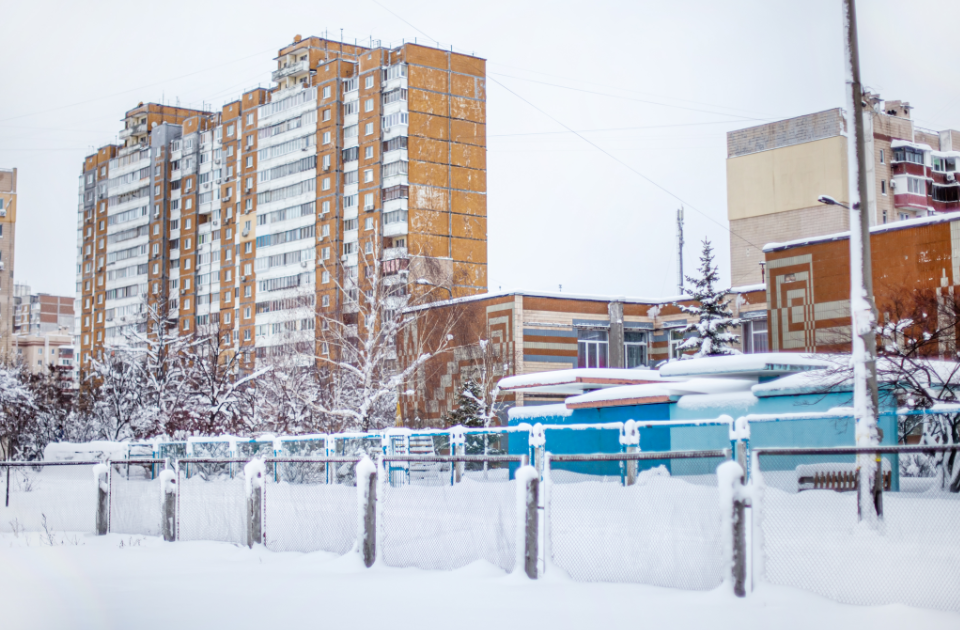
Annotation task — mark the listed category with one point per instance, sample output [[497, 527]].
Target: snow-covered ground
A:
[[121, 581]]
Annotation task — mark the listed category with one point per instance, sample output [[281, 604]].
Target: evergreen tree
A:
[[469, 411], [713, 316]]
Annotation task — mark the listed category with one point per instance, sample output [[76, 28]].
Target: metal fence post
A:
[[531, 527], [168, 504], [458, 440], [254, 506], [101, 472], [630, 441], [369, 542], [538, 442]]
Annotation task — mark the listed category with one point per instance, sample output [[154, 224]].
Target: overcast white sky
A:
[[655, 85]]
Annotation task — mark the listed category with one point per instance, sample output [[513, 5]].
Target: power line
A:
[[545, 133], [626, 98], [635, 171]]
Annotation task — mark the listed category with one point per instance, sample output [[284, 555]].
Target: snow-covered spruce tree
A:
[[470, 410], [713, 317]]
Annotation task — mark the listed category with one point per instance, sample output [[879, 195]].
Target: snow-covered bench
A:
[[839, 476]]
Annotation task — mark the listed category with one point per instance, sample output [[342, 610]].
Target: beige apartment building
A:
[[251, 218], [8, 224], [777, 171]]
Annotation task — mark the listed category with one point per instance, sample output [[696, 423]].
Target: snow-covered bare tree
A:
[[160, 352], [356, 340], [22, 434], [218, 387], [918, 369], [714, 318], [112, 396]]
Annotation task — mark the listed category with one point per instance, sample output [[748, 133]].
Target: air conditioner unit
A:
[[368, 207], [183, 291], [950, 177], [893, 183], [156, 215], [216, 160], [215, 223], [218, 180], [243, 278], [344, 258], [303, 264]]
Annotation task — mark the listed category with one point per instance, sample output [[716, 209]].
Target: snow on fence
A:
[[48, 496], [813, 539], [663, 530], [431, 525]]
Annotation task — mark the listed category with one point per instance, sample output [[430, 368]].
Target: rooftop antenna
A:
[[561, 288], [680, 248]]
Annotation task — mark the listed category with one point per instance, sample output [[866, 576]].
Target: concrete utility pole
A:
[[862, 304], [680, 249]]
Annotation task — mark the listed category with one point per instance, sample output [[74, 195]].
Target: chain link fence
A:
[[425, 523], [664, 530], [211, 500], [310, 505], [48, 497], [807, 528], [135, 497]]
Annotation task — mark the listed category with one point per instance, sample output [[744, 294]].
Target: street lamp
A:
[[830, 201]]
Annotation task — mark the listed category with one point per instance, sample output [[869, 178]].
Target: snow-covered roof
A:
[[919, 146], [885, 227], [744, 365], [539, 411], [577, 380], [813, 382], [659, 392], [621, 396], [749, 288]]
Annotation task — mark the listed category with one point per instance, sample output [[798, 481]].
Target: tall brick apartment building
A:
[[776, 172], [244, 217]]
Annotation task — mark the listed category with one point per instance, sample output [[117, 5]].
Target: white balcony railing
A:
[[290, 69]]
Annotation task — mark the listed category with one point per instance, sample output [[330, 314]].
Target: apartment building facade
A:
[[777, 171], [8, 227], [41, 313], [253, 218]]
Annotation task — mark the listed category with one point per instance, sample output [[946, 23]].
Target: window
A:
[[249, 161], [325, 207], [591, 348], [368, 175], [635, 348], [368, 104], [227, 317], [368, 223], [325, 253], [882, 157], [904, 216], [368, 153], [368, 247], [229, 130], [326, 137], [326, 90], [676, 338], [326, 162], [368, 129], [883, 186], [325, 230], [326, 115], [248, 247], [368, 201], [247, 291], [325, 301], [754, 336], [916, 186], [325, 184], [227, 295], [246, 313], [368, 82], [325, 277], [249, 119]]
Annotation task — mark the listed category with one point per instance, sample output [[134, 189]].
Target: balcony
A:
[[290, 70]]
